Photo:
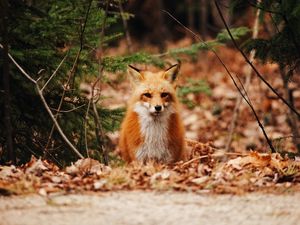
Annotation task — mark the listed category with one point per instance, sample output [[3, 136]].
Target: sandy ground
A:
[[150, 208]]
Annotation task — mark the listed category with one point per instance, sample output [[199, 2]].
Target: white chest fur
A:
[[154, 130]]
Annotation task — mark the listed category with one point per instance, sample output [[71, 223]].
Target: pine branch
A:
[[252, 66], [119, 63]]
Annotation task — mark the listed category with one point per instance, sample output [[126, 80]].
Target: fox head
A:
[[154, 93]]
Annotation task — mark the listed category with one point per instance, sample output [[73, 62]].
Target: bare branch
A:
[[20, 68], [248, 75], [47, 108], [222, 154], [54, 73], [85, 128], [56, 123], [68, 111]]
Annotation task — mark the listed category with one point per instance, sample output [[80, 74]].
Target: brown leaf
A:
[[36, 166], [84, 166], [200, 180], [7, 172], [253, 159]]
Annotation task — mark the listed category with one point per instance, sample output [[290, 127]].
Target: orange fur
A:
[[148, 133], [130, 136]]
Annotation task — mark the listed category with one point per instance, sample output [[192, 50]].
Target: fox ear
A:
[[134, 74], [171, 73]]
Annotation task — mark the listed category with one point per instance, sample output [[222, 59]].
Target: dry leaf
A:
[[253, 159], [36, 166], [42, 192], [99, 184], [7, 172], [200, 180], [87, 165]]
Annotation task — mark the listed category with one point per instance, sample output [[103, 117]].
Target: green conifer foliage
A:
[[282, 46], [41, 34]]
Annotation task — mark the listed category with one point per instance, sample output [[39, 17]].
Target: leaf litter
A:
[[205, 172]]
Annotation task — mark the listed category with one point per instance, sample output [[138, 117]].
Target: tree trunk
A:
[[291, 116], [216, 18], [6, 82], [203, 18], [190, 14]]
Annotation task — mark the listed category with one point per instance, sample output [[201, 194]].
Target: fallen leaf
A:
[[87, 165], [200, 180]]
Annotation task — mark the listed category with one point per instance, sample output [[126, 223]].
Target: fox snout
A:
[[157, 109]]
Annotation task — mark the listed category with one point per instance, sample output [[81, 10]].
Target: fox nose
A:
[[157, 108]]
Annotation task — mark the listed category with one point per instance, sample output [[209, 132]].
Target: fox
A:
[[152, 129]]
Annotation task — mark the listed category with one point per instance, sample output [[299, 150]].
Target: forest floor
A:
[[150, 208]]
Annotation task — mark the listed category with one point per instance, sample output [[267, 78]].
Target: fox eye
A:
[[164, 94], [148, 95]]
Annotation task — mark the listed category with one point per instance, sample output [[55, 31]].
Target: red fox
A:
[[152, 129]]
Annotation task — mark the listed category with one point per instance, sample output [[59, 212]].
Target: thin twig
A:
[[211, 155], [98, 129], [85, 128], [20, 68], [68, 111], [252, 66], [56, 123], [55, 71], [40, 93], [238, 102]]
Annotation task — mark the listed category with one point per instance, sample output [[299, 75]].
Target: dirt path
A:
[[150, 208]]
